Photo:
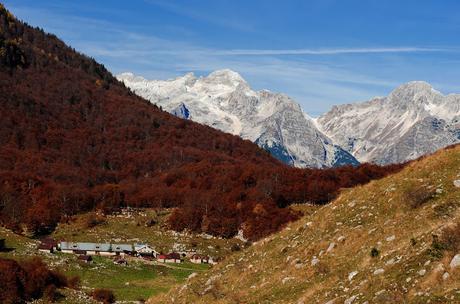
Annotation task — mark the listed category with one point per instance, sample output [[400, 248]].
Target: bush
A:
[[375, 252], [235, 247], [93, 220], [322, 268], [150, 223], [445, 209], [103, 295], [450, 238], [436, 251], [28, 280], [50, 293], [418, 196], [74, 282]]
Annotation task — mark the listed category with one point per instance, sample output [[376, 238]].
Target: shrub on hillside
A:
[[436, 250], [28, 280], [450, 238], [322, 268], [235, 247], [103, 295], [92, 220], [418, 196], [74, 282], [375, 252]]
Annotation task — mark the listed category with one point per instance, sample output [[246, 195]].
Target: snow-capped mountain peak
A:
[[224, 100], [227, 77], [413, 120]]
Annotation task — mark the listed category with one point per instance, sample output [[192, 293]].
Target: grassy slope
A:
[[132, 229], [132, 282], [279, 269]]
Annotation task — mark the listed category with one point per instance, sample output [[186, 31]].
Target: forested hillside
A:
[[73, 139]]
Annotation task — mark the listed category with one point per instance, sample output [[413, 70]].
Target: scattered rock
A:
[[445, 276], [390, 261], [457, 183], [341, 239], [207, 289], [390, 238], [331, 247], [286, 279], [314, 261], [350, 300], [371, 231], [439, 268], [379, 271], [380, 292], [455, 262], [421, 272], [191, 276], [351, 275]]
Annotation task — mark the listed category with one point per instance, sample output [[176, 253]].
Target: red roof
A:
[[45, 246], [173, 256], [199, 257], [49, 241]]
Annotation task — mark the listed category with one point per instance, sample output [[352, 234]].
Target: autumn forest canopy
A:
[[73, 139]]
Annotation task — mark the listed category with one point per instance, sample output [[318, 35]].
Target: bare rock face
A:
[[412, 121], [455, 262], [224, 100]]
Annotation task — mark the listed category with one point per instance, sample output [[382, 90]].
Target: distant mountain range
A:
[[412, 121], [225, 101]]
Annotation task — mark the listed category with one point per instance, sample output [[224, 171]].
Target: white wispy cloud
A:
[[260, 52], [189, 12], [330, 51], [313, 80]]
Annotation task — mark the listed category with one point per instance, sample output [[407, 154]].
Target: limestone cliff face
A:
[[412, 121], [225, 101]]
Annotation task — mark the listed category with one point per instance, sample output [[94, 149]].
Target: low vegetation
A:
[[105, 296], [136, 281], [27, 280], [369, 245], [136, 227]]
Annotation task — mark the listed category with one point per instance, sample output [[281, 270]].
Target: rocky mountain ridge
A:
[[414, 120], [225, 101]]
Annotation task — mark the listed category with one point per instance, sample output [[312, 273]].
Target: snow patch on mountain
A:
[[224, 100], [415, 119]]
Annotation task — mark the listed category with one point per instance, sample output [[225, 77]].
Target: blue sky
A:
[[321, 52]]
